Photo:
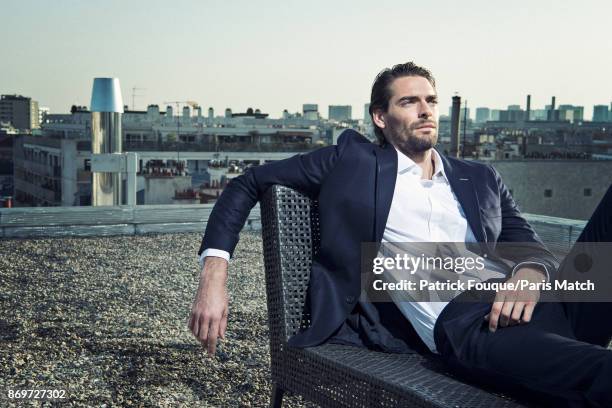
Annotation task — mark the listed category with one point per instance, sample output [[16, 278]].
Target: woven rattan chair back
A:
[[290, 230]]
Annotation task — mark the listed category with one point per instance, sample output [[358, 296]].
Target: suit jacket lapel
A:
[[463, 186], [386, 173]]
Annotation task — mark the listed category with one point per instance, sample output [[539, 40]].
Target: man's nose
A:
[[425, 110]]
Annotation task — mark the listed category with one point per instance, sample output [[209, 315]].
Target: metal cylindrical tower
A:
[[528, 113], [106, 112], [455, 111]]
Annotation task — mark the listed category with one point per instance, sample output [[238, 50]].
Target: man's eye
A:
[[434, 101]]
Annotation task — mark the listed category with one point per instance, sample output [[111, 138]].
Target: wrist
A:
[[214, 268], [214, 262], [532, 274], [535, 266]]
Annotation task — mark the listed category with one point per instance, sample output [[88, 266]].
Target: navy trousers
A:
[[560, 358]]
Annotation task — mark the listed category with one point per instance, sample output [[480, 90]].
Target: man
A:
[[403, 190]]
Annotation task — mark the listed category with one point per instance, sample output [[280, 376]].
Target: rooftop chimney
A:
[[106, 111], [528, 108], [455, 126], [551, 112]]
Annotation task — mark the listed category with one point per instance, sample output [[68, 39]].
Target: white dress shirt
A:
[[424, 211]]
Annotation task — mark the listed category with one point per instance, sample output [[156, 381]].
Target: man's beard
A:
[[409, 142]]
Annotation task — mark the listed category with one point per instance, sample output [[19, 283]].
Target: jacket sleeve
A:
[[302, 172], [518, 240]]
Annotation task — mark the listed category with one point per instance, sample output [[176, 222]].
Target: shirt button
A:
[[350, 299]]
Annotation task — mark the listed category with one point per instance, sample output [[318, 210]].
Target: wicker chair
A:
[[335, 375]]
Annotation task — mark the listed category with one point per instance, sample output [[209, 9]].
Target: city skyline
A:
[[243, 55]]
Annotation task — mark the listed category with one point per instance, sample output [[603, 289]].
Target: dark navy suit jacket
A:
[[354, 182]]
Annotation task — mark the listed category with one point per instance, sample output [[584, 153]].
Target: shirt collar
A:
[[405, 165]]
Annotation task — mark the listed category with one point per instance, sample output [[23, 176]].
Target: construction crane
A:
[[193, 104]]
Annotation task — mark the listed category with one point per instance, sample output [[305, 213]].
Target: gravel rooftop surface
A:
[[105, 318]]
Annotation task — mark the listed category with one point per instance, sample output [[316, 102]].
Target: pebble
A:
[[105, 318]]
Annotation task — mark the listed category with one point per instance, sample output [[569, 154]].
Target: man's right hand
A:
[[208, 319]]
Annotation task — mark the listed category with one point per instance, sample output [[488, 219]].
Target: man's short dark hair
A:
[[381, 94]]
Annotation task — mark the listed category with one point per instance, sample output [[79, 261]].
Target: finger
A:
[[517, 311], [223, 326], [196, 326], [213, 332], [504, 316], [510, 299], [528, 312], [203, 333], [494, 314], [202, 343], [506, 311]]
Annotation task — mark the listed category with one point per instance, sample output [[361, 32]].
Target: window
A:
[[587, 192], [87, 165], [548, 193]]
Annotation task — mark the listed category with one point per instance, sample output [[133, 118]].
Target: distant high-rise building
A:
[[578, 113], [566, 112], [600, 113], [512, 115], [310, 111], [310, 107], [340, 112], [495, 114], [571, 113], [539, 114], [366, 113], [21, 111], [482, 115], [43, 111]]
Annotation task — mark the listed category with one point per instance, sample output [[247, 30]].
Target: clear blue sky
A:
[[276, 55]]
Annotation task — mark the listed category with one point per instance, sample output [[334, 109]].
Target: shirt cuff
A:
[[213, 252], [536, 265]]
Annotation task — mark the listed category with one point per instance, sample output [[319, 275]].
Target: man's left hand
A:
[[512, 307]]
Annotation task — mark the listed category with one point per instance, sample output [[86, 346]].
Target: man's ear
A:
[[378, 117]]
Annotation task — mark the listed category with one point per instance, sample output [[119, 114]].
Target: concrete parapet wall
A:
[[29, 222], [565, 180]]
